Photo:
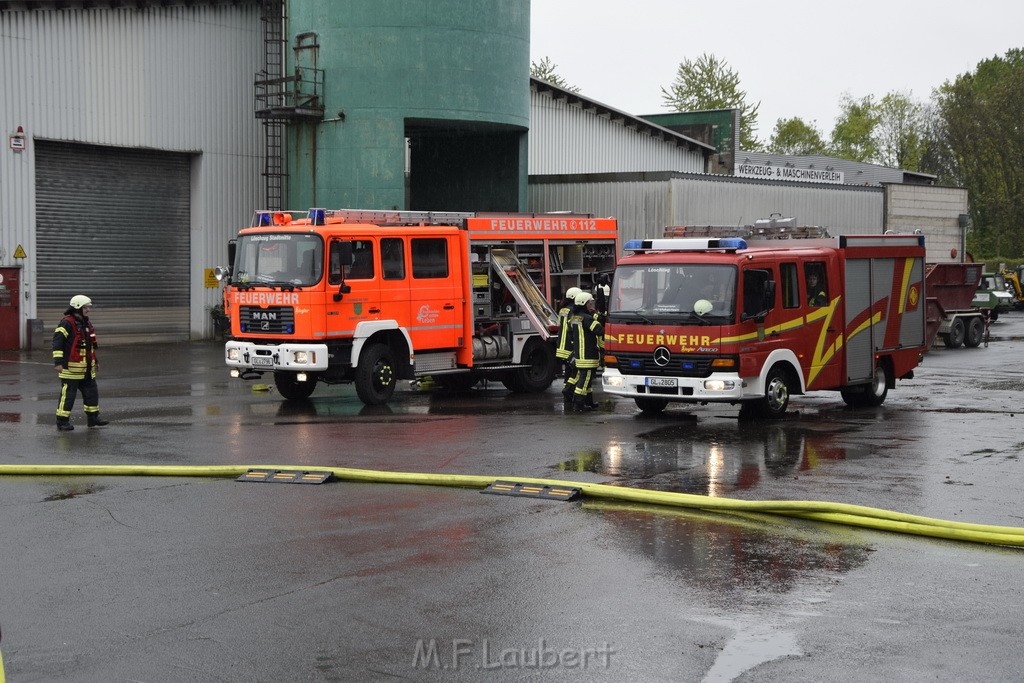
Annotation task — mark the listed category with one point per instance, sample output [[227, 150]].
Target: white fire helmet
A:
[[572, 292], [583, 298], [77, 302]]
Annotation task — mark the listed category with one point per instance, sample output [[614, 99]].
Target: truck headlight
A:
[[614, 381], [301, 357], [232, 354], [719, 385]]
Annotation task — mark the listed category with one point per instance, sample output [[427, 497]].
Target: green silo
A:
[[442, 83]]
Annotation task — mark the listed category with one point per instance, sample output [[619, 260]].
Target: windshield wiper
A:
[[702, 319], [640, 314]]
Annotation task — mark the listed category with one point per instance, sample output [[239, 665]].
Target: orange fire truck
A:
[[373, 297], [755, 319]]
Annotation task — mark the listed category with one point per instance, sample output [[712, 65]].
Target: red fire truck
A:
[[373, 297], [754, 320]]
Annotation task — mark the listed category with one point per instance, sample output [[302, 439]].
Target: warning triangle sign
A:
[[20, 253]]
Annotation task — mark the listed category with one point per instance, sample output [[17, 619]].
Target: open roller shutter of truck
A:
[[113, 223]]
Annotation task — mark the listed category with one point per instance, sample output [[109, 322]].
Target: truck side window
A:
[[336, 264], [817, 287], [362, 261], [392, 258], [429, 257], [790, 286]]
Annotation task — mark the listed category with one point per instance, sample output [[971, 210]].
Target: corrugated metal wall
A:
[[176, 78], [93, 239], [645, 204], [564, 138]]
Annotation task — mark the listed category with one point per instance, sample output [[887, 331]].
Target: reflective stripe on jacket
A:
[[588, 330], [565, 346], [74, 348]]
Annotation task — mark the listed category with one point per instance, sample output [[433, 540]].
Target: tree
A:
[[708, 83], [900, 132], [981, 144], [794, 136], [853, 135], [892, 132], [545, 70]]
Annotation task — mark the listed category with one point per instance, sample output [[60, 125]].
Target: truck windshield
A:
[[680, 292], [279, 259]]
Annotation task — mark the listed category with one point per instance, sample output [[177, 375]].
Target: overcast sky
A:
[[795, 58]]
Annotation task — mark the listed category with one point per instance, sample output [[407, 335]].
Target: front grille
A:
[[680, 365], [270, 320]]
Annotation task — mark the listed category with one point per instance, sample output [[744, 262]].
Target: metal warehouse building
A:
[[661, 182], [141, 135], [130, 153]]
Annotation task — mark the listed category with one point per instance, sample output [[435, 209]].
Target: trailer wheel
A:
[[651, 406], [291, 389], [957, 332], [375, 376], [975, 333], [539, 357]]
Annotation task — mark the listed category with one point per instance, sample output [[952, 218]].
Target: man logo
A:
[[662, 356]]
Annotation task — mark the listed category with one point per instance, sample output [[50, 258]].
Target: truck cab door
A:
[[395, 293], [356, 286], [435, 300]]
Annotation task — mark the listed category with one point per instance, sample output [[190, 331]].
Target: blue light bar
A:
[[264, 218], [687, 244], [316, 216]]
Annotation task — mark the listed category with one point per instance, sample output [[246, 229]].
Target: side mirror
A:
[[232, 249], [342, 289]]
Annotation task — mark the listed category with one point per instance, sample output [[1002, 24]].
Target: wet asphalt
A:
[[209, 579]]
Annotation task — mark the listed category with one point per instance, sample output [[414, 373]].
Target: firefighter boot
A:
[[64, 424], [95, 420], [583, 404]]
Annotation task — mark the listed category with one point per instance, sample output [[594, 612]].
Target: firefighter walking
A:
[[587, 332], [74, 358]]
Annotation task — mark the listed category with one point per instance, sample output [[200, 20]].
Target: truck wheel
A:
[[853, 396], [776, 395], [539, 358], [375, 376], [291, 389], [975, 333], [651, 406], [957, 331], [874, 393]]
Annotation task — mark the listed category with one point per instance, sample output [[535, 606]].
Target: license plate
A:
[[662, 382], [263, 361]]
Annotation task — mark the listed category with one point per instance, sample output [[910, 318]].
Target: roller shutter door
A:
[[113, 223]]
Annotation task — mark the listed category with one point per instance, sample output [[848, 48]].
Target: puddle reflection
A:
[[732, 555], [713, 462]]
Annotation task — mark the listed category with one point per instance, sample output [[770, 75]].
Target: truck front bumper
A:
[[719, 387], [271, 357]]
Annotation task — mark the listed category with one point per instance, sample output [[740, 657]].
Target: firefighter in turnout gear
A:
[[564, 350], [74, 358], [587, 331]]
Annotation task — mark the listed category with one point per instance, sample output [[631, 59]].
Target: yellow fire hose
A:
[[836, 513]]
